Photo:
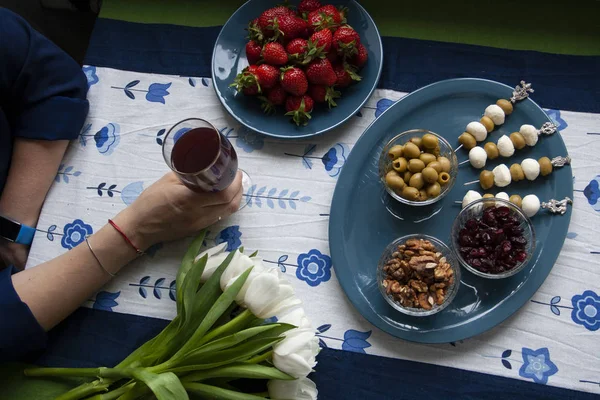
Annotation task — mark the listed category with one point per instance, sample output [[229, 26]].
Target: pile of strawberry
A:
[[300, 57]]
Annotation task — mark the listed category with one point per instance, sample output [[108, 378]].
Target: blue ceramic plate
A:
[[361, 227], [229, 58]]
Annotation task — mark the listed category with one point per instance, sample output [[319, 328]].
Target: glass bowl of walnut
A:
[[418, 275]]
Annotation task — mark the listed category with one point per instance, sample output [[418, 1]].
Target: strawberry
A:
[[361, 56], [247, 81], [307, 6], [253, 51], [289, 27], [320, 72], [324, 18], [346, 40], [297, 47], [275, 97], [324, 94], [274, 54], [333, 57], [299, 108], [267, 75], [254, 31], [346, 75], [294, 81], [265, 21], [322, 39]]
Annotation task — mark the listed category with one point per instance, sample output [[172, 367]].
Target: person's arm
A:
[[165, 211], [33, 168], [43, 93]]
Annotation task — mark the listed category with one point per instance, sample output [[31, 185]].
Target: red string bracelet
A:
[[137, 249]]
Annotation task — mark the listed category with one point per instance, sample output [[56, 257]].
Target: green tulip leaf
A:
[[217, 393], [165, 386]]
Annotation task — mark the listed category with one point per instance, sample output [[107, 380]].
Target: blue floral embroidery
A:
[[180, 133], [249, 140], [192, 82], [230, 235], [106, 300], [102, 188], [75, 233], [592, 193], [157, 92], [558, 121], [157, 288], [283, 199], [65, 173], [383, 105], [335, 158], [159, 134], [50, 234], [537, 365], [586, 310], [314, 267], [356, 341], [83, 135], [131, 192], [107, 138], [90, 74]]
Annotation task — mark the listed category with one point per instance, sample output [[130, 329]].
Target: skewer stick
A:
[[470, 183], [458, 148], [463, 162]]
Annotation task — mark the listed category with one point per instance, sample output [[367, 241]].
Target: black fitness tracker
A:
[[16, 232]]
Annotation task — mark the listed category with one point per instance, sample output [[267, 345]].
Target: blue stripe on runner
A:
[[561, 81], [91, 338]]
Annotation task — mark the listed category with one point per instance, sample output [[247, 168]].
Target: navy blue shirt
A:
[[42, 96]]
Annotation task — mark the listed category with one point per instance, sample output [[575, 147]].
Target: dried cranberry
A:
[[474, 253], [502, 211], [481, 252], [466, 241], [521, 256], [486, 238], [489, 219], [475, 263], [471, 224], [506, 246], [518, 241]]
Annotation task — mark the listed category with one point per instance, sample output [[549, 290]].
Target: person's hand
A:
[[168, 210], [13, 254]]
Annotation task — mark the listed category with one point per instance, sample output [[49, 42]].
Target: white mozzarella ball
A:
[[531, 168], [478, 131], [470, 197], [495, 113], [477, 157], [530, 205], [506, 148], [529, 133], [502, 195], [501, 175]]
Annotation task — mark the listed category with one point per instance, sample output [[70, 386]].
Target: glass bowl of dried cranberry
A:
[[418, 275], [493, 238]]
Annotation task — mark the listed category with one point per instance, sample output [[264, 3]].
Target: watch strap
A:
[[25, 235]]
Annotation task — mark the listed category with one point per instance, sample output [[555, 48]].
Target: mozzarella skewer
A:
[[530, 204]]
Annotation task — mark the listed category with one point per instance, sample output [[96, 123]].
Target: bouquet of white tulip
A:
[[202, 351]]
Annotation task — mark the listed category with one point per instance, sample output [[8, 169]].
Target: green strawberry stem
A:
[[300, 116]]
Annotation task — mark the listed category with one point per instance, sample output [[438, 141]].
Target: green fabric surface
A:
[[553, 27]]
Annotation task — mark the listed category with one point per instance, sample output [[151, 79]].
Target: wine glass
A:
[[202, 157]]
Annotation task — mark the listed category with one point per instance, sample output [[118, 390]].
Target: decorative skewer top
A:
[[521, 92], [560, 161], [557, 206], [547, 129]]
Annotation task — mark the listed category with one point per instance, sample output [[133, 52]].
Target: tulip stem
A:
[[235, 325], [260, 358]]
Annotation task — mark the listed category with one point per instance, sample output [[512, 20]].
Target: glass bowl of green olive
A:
[[418, 167]]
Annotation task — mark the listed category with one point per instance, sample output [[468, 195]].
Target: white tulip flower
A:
[[296, 354], [269, 294], [216, 256], [299, 389], [296, 317]]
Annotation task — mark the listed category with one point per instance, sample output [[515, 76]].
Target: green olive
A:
[[516, 200], [430, 175], [410, 193], [443, 178], [436, 165], [429, 141], [491, 150], [488, 123], [418, 141], [486, 179], [434, 189], [395, 152], [545, 166], [505, 105], [436, 151], [394, 181], [467, 140], [488, 196], [415, 165], [516, 172], [400, 164], [407, 175], [518, 140], [416, 181], [423, 195], [427, 158], [411, 150], [445, 164]]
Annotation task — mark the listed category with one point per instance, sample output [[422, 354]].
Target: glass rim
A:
[[450, 258], [455, 228], [169, 161], [383, 159]]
